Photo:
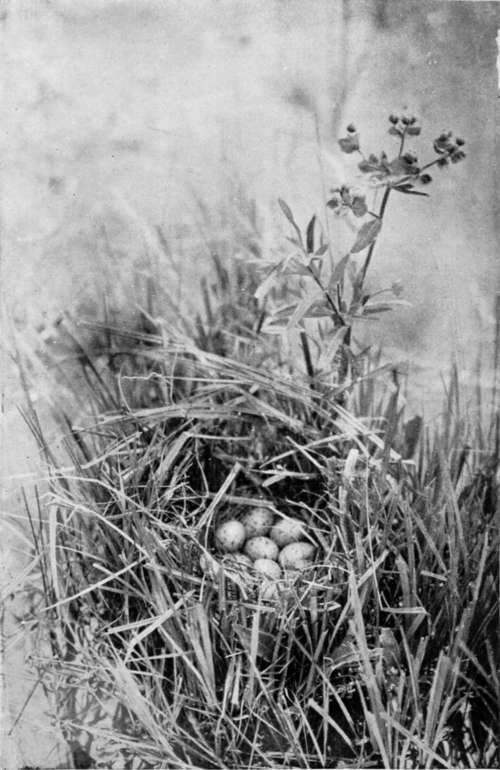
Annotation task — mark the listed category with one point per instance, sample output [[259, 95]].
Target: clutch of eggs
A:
[[267, 548]]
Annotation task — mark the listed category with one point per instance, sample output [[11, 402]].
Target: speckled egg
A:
[[296, 556], [257, 522], [261, 548], [230, 536], [287, 530], [267, 567]]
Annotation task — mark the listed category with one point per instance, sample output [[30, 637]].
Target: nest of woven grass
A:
[[380, 652]]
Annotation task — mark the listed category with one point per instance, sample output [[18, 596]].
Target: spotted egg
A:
[[230, 536], [257, 522], [287, 530], [261, 548], [268, 568], [296, 556]]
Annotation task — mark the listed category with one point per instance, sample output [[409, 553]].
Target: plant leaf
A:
[[349, 143], [393, 131], [300, 311], [287, 211], [382, 307], [359, 207], [407, 189], [319, 309], [322, 250], [310, 235], [267, 283], [413, 130], [315, 265], [331, 347], [295, 267], [366, 235], [338, 272], [365, 166], [399, 167]]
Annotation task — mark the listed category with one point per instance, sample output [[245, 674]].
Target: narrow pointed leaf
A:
[[310, 236], [300, 311], [406, 189], [287, 211], [266, 284], [366, 235], [338, 272]]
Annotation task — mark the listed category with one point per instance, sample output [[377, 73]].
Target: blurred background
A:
[[119, 115], [123, 120]]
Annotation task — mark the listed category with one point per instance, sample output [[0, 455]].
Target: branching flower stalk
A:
[[402, 174]]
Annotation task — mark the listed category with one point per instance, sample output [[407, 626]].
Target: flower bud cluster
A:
[[449, 150], [404, 125], [345, 198], [403, 172]]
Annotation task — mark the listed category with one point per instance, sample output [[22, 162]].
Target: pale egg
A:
[[257, 522], [261, 548], [287, 530], [296, 556], [267, 567], [230, 536]]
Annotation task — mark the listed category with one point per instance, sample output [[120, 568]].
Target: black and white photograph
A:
[[250, 384]]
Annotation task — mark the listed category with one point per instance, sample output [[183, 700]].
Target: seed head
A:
[[410, 157], [457, 156], [394, 119], [351, 128]]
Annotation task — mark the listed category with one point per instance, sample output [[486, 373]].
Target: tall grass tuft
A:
[[383, 653]]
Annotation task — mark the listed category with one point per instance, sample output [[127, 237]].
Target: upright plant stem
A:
[[383, 207]]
